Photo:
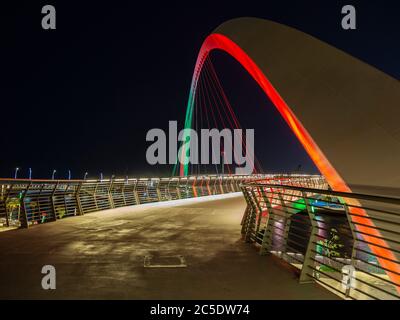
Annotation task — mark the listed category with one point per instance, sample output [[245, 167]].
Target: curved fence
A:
[[349, 243], [29, 202]]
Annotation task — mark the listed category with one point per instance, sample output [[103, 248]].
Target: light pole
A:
[[30, 173], [54, 172], [85, 176], [69, 174], [16, 173], [101, 176]]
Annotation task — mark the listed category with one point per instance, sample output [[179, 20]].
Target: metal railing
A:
[[29, 202], [348, 242]]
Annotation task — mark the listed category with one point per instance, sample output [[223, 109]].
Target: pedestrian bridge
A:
[[101, 256], [279, 237]]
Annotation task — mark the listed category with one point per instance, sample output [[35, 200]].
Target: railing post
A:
[[178, 191], [309, 258], [187, 188], [6, 212], [266, 245], [123, 191], [169, 196], [78, 200], [220, 185], [248, 215], [208, 186], [194, 187], [252, 218], [95, 195], [53, 206], [110, 197], [354, 246], [147, 189], [7, 193], [158, 191], [287, 220], [245, 216], [135, 194], [24, 220]]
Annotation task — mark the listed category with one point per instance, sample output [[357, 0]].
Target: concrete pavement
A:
[[100, 256]]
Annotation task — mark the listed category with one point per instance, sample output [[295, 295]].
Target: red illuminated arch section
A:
[[221, 42]]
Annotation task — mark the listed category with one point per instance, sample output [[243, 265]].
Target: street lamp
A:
[[30, 173], [69, 174], [52, 176], [16, 173], [101, 176], [85, 176]]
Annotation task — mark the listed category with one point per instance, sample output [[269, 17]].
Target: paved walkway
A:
[[100, 256]]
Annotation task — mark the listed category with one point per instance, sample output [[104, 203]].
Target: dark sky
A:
[[82, 97]]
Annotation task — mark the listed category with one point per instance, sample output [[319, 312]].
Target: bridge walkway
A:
[[101, 256]]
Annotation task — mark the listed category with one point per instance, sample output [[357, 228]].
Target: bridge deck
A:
[[100, 256]]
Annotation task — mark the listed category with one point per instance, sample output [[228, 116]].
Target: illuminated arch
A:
[[386, 91], [220, 42]]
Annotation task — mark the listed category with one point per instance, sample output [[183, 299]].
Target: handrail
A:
[[322, 232], [25, 202], [351, 195]]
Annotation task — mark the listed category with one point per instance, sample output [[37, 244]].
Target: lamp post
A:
[[101, 176], [85, 176], [16, 173], [69, 174], [52, 176], [30, 173]]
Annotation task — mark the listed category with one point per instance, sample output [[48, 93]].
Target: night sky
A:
[[82, 97]]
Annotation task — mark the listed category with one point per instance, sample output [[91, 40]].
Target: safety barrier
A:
[[29, 202], [349, 243]]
